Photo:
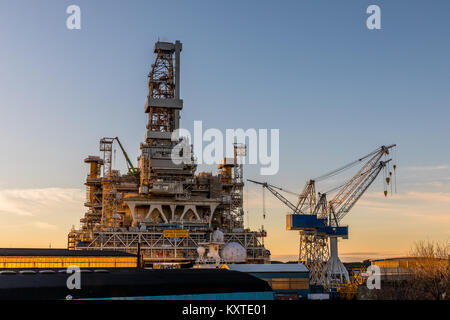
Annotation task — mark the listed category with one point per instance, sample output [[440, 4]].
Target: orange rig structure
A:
[[162, 207]]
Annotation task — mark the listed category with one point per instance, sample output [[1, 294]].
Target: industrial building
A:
[[286, 280], [162, 206], [61, 258], [399, 267], [135, 284]]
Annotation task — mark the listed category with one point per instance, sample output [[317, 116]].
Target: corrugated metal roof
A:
[[61, 252], [288, 267]]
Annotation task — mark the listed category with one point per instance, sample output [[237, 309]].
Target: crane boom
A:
[[271, 188], [307, 199], [318, 219], [131, 168], [346, 191], [349, 193], [359, 191]]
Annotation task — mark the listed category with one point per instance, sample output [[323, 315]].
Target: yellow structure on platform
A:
[[64, 262], [56, 258], [175, 233]]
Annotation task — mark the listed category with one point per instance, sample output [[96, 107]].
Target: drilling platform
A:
[[162, 208]]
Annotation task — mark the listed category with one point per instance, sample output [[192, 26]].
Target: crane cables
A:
[[284, 190], [264, 202], [344, 183], [347, 166], [269, 186]]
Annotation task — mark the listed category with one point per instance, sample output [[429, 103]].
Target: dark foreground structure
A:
[[133, 284], [288, 281]]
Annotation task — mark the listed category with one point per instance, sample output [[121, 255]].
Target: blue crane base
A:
[[313, 223]]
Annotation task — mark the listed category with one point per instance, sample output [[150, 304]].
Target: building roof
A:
[[282, 267], [393, 259], [20, 252], [128, 283], [408, 259], [404, 259]]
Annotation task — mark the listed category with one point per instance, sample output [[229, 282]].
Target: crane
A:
[[273, 189], [131, 169], [350, 192], [319, 219], [106, 146]]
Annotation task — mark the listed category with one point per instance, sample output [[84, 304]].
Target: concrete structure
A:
[[163, 205]]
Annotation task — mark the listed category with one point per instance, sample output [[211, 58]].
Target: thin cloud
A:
[[36, 217], [362, 253], [33, 202], [428, 168], [442, 197], [45, 225]]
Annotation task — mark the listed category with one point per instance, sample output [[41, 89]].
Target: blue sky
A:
[[335, 89]]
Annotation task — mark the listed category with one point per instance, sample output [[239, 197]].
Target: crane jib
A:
[[324, 216]]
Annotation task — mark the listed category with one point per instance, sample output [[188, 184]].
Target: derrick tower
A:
[[163, 106]]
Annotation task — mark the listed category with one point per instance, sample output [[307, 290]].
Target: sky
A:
[[335, 90]]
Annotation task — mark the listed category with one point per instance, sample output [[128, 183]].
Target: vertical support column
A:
[[178, 48], [172, 210], [334, 269], [313, 253]]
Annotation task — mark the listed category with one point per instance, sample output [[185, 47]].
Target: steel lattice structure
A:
[[314, 253], [319, 220], [161, 195], [157, 248]]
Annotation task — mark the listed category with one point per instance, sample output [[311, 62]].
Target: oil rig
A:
[[162, 208]]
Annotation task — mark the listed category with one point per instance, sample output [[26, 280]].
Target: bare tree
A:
[[425, 275], [429, 270]]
